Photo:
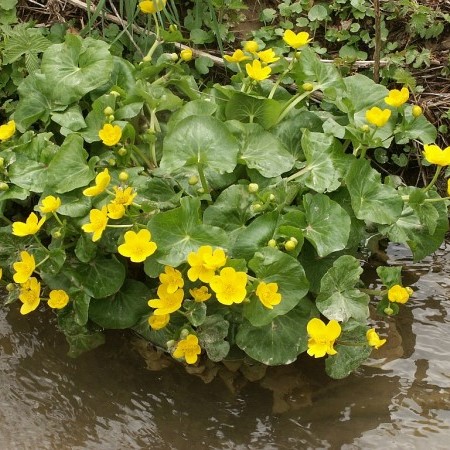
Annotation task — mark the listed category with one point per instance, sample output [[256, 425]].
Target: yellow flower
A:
[[152, 7], [435, 155], [24, 268], [58, 299], [397, 98], [399, 294], [166, 303], [101, 183], [115, 211], [200, 294], [124, 196], [296, 40], [322, 337], [31, 226], [138, 246], [416, 111], [268, 56], [7, 130], [158, 322], [29, 295], [186, 54], [251, 46], [256, 72], [98, 221], [373, 339], [377, 116], [237, 57], [110, 134], [229, 286], [188, 349], [50, 204], [205, 262], [448, 189], [172, 278], [267, 293]]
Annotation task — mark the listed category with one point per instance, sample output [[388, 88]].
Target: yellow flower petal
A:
[[7, 130], [137, 246], [58, 299], [110, 134]]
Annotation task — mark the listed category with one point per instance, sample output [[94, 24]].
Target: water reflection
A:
[[107, 399]]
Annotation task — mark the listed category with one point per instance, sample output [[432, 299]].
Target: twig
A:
[[377, 50]]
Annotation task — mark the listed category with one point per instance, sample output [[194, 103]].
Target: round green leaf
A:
[[122, 310], [280, 341], [200, 140], [273, 266]]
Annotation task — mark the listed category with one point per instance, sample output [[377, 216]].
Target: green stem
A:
[[143, 157], [280, 78], [40, 243], [299, 173], [42, 262], [201, 174], [433, 181], [57, 218], [376, 292], [293, 102]]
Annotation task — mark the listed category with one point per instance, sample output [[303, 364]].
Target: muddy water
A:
[[107, 399]]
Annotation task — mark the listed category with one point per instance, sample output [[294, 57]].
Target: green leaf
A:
[[317, 13], [370, 199], [231, 210], [80, 306], [194, 108], [76, 67], [74, 204], [71, 118], [99, 278], [180, 231], [211, 335], [409, 228], [248, 108], [273, 266], [322, 153], [55, 261], [326, 224], [23, 42], [390, 276], [203, 64], [122, 310], [200, 140], [280, 341], [195, 312], [255, 236], [85, 250], [263, 152], [338, 298], [349, 356], [415, 128], [68, 170]]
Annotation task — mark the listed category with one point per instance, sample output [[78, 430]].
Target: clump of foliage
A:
[[215, 221]]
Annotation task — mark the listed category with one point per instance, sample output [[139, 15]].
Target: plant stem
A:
[[201, 174], [292, 103], [433, 181], [376, 292]]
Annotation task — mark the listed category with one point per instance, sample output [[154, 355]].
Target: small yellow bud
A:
[[10, 287], [417, 111], [257, 207], [200, 191], [251, 46], [271, 197], [56, 234], [186, 54], [184, 333], [123, 176], [365, 128], [3, 186], [272, 243], [115, 93], [293, 240], [122, 151], [111, 161], [173, 28], [290, 245], [108, 111], [111, 118], [307, 87], [174, 57], [193, 180], [253, 187], [170, 344], [388, 311]]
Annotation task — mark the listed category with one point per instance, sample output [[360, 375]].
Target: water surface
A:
[[107, 399]]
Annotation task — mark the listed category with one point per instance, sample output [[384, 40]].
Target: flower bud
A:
[[251, 46], [272, 243], [173, 28], [123, 176], [3, 186], [256, 207], [409, 290], [10, 287], [146, 58], [174, 57], [184, 333], [186, 54], [253, 187], [56, 234], [111, 118], [115, 93], [417, 111], [290, 245], [200, 191], [293, 240], [108, 111], [2, 162], [271, 197], [170, 344], [297, 55], [388, 311], [122, 151], [111, 161], [307, 87], [193, 180], [365, 128]]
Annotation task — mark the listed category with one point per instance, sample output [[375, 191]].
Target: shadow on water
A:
[[107, 399]]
